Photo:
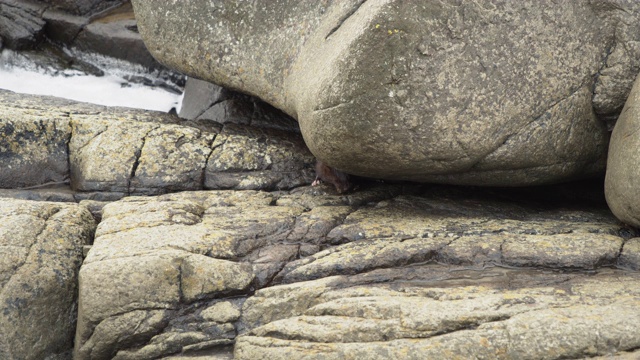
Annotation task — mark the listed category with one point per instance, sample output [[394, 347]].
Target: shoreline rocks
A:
[[622, 185], [152, 263], [381, 247], [444, 315], [233, 273], [96, 148], [41, 253], [83, 35], [492, 94]]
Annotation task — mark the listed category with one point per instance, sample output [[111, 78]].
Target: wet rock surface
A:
[[115, 33], [82, 35], [83, 7], [20, 24]]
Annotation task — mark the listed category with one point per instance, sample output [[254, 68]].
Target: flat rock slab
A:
[[95, 148], [431, 312], [109, 154], [246, 158], [493, 93], [176, 274], [40, 256]]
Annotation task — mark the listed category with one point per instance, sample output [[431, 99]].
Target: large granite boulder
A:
[[41, 247], [622, 182], [491, 93]]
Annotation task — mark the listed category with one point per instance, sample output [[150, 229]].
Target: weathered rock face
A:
[[87, 33], [115, 34], [83, 7], [118, 150], [250, 158], [355, 276], [207, 101], [259, 147], [300, 273], [521, 315], [615, 79], [622, 183], [20, 24], [174, 270], [498, 93], [386, 271], [33, 142], [40, 255], [136, 156]]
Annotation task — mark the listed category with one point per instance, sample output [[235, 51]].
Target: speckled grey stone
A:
[[622, 183], [492, 93]]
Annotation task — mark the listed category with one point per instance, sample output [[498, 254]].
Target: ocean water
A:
[[22, 74]]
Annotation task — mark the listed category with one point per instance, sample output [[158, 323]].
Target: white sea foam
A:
[[110, 89]]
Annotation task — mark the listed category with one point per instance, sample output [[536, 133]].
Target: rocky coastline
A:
[[136, 234]]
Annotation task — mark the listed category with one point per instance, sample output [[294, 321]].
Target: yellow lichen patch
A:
[[484, 342]]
